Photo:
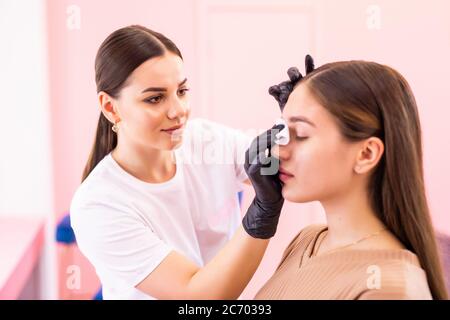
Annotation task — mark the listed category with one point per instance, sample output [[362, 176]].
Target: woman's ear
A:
[[108, 108], [369, 155]]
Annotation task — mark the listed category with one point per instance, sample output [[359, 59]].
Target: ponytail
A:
[[105, 142]]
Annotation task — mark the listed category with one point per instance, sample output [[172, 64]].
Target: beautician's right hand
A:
[[282, 91], [262, 216]]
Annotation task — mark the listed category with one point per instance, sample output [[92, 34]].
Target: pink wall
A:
[[225, 45]]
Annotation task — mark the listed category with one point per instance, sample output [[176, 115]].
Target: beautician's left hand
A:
[[282, 91], [262, 216]]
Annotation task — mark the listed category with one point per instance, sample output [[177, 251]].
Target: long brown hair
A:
[[118, 56], [368, 99]]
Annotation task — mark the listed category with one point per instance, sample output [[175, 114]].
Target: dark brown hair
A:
[[118, 56], [369, 99]]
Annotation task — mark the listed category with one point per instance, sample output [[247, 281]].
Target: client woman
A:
[[356, 147]]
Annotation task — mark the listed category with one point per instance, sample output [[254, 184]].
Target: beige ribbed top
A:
[[344, 274]]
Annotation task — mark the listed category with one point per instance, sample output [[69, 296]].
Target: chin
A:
[[293, 194], [174, 144]]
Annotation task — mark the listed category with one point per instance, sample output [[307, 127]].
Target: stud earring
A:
[[115, 128]]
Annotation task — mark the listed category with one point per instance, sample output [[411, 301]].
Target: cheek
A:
[[142, 125], [187, 108], [146, 120], [320, 169]]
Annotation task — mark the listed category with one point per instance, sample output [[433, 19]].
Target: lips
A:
[[285, 175], [173, 129]]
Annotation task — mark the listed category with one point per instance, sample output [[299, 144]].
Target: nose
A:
[[178, 109], [276, 151], [281, 152]]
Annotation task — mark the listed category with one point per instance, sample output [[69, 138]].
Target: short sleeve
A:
[[232, 142], [123, 250], [239, 145]]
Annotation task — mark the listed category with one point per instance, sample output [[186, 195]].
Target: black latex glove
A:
[[262, 216], [282, 91]]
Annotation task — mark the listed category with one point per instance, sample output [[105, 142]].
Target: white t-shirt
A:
[[126, 227]]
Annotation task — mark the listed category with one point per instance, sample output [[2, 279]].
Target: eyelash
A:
[[300, 138], [151, 99]]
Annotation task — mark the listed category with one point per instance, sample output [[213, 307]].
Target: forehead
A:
[[302, 103], [163, 71]]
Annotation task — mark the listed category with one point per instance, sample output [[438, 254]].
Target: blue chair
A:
[[64, 231], [99, 294], [65, 235], [240, 195]]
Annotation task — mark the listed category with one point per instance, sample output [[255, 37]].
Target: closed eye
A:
[[300, 138]]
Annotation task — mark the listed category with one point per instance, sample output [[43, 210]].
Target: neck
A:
[[350, 217], [147, 164]]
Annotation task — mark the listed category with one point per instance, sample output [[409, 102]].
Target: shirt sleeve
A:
[[123, 250], [234, 142], [242, 142]]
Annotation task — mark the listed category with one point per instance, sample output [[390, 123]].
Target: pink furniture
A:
[[21, 242]]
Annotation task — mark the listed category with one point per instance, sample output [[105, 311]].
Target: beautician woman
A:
[[153, 224]]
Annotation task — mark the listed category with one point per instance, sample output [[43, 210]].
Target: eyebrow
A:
[[162, 89], [301, 119]]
